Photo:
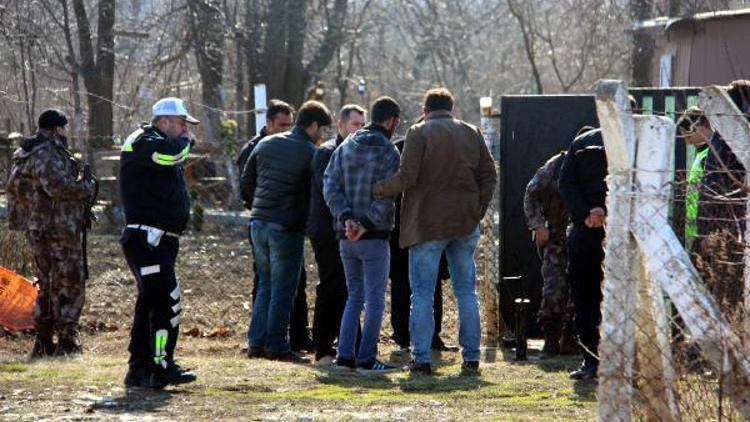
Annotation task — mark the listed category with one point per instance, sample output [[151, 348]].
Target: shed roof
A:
[[665, 23]]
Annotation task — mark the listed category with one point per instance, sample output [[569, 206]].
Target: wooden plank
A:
[[655, 138], [648, 105], [617, 346]]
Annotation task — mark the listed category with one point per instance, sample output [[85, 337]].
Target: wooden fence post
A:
[[617, 348], [667, 263], [654, 145]]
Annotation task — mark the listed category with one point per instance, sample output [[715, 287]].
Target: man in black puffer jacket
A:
[[279, 119], [276, 187]]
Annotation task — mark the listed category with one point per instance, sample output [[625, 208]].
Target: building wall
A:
[[710, 52], [722, 53]]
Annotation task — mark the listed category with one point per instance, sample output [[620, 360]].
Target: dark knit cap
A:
[[52, 118]]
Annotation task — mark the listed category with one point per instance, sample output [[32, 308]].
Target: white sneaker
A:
[[377, 367]]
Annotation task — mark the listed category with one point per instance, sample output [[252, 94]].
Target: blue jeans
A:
[[424, 263], [278, 257], [366, 264]]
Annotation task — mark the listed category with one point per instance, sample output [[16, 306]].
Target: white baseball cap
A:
[[172, 106]]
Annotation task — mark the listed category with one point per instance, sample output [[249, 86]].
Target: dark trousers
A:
[[156, 321], [585, 272], [401, 299], [298, 322], [330, 296]]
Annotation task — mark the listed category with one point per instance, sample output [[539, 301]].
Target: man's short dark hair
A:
[[438, 99], [385, 108], [348, 109], [691, 118], [739, 92], [313, 112], [276, 107]]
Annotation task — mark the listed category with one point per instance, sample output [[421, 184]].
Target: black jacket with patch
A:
[[152, 182]]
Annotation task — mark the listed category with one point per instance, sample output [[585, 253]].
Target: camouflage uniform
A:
[[544, 207], [46, 199]]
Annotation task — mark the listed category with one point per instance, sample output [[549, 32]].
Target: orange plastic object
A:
[[17, 297]]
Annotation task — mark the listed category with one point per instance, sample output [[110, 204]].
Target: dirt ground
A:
[[215, 273]]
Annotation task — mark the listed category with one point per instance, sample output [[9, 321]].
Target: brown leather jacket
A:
[[447, 176]]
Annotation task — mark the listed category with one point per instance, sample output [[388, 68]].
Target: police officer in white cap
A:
[[157, 207]]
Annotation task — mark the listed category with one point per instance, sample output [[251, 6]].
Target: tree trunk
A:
[[252, 57], [525, 22], [674, 7], [294, 86], [208, 44], [274, 62], [97, 69], [332, 40], [239, 75], [643, 45], [78, 125]]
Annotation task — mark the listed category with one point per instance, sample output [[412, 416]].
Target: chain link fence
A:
[[215, 272], [674, 339]]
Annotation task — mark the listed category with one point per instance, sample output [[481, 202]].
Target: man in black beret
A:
[[47, 195]]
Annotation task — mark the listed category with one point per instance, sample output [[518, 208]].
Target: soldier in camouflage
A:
[[548, 218], [46, 199]]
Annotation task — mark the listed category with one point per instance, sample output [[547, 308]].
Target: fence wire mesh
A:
[[686, 359], [214, 268]]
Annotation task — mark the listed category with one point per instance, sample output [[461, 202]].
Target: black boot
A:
[[173, 375], [587, 371], [569, 341], [552, 332], [44, 346], [138, 376], [68, 346]]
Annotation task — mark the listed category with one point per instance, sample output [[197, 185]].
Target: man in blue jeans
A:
[[363, 225], [276, 185], [447, 176]]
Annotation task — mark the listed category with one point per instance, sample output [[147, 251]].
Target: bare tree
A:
[[523, 12], [97, 67], [643, 44], [206, 20]]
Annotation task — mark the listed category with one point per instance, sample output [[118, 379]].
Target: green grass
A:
[[235, 388]]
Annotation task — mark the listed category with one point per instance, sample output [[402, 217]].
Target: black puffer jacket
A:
[[320, 221], [247, 149], [276, 179], [583, 175]]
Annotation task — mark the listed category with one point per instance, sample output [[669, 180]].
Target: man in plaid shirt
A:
[[363, 225]]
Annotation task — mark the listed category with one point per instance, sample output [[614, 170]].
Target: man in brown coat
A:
[[447, 177]]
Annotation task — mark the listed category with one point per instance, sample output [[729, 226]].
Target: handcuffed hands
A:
[[353, 230]]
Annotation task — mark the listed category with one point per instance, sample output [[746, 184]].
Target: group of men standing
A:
[[342, 195], [565, 208]]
